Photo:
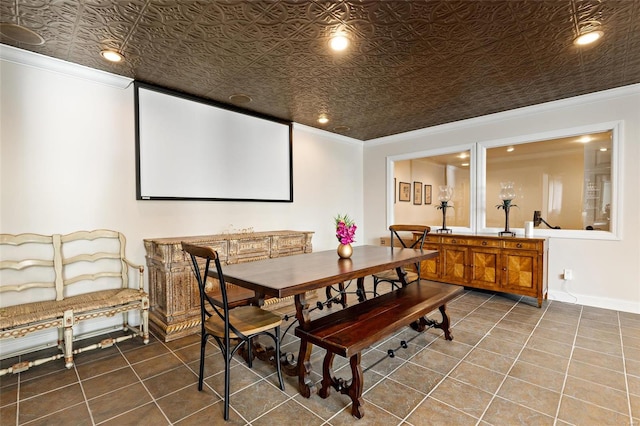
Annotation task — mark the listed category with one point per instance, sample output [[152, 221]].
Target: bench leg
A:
[[422, 324], [68, 347], [327, 379], [355, 389], [352, 387], [68, 338], [304, 368], [444, 325]]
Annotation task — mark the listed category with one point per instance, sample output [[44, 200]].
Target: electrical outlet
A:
[[567, 274]]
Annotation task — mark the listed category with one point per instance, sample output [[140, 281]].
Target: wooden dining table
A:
[[296, 275]]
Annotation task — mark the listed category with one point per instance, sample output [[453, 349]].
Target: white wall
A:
[[67, 163], [606, 272]]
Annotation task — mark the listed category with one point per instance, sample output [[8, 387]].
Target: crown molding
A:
[[46, 63]]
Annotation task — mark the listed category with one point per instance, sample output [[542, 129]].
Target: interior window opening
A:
[[566, 184], [565, 181], [428, 178]]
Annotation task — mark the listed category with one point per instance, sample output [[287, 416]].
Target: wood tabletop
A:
[[287, 276]]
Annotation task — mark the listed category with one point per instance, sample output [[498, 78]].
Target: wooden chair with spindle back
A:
[[413, 237]]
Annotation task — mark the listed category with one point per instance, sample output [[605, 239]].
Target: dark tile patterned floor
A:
[[510, 363]]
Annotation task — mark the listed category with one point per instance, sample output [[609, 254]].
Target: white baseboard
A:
[[596, 302]]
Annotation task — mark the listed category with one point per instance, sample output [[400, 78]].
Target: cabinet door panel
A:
[[520, 271], [454, 261], [485, 268], [430, 268]]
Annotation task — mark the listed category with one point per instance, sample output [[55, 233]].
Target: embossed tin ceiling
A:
[[410, 64]]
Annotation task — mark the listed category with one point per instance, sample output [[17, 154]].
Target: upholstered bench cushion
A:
[[27, 313]]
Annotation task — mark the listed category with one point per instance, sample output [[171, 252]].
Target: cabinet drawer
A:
[[488, 242], [432, 239], [284, 245], [179, 257], [249, 249], [455, 240], [520, 244]]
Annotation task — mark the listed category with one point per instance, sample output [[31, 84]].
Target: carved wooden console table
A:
[[173, 292]]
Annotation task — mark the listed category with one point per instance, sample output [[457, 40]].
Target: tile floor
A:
[[509, 363]]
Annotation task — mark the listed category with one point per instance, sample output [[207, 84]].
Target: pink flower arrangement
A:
[[345, 229]]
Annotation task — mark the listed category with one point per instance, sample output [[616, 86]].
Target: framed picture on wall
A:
[[417, 193], [404, 191], [427, 194]]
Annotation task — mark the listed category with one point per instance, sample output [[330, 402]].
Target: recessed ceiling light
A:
[[465, 164], [240, 98], [20, 34], [603, 149], [588, 38], [339, 42], [511, 149], [584, 139], [323, 119], [463, 155], [112, 55], [342, 129]]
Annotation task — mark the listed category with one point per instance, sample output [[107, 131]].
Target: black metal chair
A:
[[413, 238], [230, 327]]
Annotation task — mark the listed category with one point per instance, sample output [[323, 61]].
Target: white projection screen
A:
[[189, 148]]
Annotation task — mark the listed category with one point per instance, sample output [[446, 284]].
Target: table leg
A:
[[267, 353], [362, 296], [419, 325], [341, 298], [402, 276], [291, 366], [304, 354]]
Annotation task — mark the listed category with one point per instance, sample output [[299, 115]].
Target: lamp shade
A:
[[445, 193], [507, 191]]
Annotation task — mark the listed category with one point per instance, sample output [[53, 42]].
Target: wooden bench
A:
[[349, 331], [59, 281]]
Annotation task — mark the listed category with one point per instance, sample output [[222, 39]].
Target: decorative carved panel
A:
[[173, 290]]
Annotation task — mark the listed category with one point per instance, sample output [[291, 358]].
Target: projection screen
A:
[[188, 148]]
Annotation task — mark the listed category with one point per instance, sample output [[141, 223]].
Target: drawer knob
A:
[[484, 243], [519, 245], [454, 241]]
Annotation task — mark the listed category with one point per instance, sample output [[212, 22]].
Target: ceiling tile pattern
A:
[[410, 64]]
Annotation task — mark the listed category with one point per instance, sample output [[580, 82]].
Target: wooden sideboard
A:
[[173, 291], [515, 265]]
